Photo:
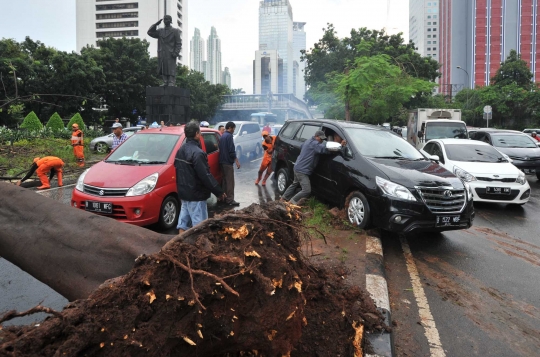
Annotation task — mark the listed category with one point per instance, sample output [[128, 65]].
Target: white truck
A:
[[425, 124]]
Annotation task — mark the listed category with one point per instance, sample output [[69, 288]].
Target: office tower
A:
[[268, 72], [226, 80], [213, 62], [478, 35], [276, 34], [98, 20], [299, 44], [196, 52]]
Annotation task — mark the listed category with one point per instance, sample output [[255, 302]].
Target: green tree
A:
[[128, 70], [513, 70], [77, 119], [373, 88], [32, 122], [334, 54], [55, 123], [205, 97], [236, 91]]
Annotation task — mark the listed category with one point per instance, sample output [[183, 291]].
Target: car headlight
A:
[[393, 189], [469, 191], [464, 175], [144, 186], [80, 181], [521, 179]]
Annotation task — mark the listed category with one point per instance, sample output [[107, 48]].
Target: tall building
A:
[[226, 79], [424, 26], [213, 62], [100, 19], [299, 44], [478, 35], [196, 52], [276, 33], [268, 72]]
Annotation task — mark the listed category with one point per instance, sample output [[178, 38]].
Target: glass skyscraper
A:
[[276, 33]]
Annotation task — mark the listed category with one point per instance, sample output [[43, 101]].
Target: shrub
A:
[[55, 123], [31, 122], [77, 119]]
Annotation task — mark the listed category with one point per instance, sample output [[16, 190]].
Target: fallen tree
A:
[[235, 285]]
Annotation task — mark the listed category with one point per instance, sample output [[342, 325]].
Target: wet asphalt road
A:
[[481, 286]]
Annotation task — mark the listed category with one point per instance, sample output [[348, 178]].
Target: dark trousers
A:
[[228, 181], [301, 180]]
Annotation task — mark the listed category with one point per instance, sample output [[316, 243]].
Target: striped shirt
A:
[[118, 140]]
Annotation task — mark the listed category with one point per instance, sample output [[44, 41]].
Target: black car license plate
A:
[[447, 221], [99, 207], [498, 190], [529, 171]]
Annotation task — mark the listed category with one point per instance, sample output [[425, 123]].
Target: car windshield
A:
[[144, 149], [473, 153], [512, 141], [445, 130], [382, 144]]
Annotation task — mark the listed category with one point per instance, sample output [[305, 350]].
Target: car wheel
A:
[[258, 150], [168, 216], [358, 209], [282, 179], [239, 153], [102, 148]]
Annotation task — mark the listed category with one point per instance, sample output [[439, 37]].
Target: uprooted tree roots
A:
[[235, 285]]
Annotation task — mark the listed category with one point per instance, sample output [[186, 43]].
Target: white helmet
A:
[[205, 124]]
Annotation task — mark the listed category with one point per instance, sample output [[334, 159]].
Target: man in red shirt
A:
[[534, 136]]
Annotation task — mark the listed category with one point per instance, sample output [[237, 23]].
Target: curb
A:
[[376, 285]]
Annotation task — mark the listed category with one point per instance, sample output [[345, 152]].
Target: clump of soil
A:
[[235, 285]]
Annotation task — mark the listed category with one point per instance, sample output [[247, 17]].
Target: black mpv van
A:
[[379, 178]]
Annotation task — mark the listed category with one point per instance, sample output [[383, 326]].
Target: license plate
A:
[[99, 207], [446, 221], [529, 171], [498, 190]]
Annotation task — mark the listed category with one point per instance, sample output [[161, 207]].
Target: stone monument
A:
[[167, 103]]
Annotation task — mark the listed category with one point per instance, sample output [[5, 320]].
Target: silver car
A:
[[247, 138], [103, 144]]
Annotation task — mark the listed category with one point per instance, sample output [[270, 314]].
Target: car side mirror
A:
[[332, 146], [244, 132], [434, 158]]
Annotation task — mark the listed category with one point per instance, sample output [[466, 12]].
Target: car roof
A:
[[173, 130], [501, 131], [340, 123], [460, 142]]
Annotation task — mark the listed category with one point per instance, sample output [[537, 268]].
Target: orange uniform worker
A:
[[43, 166], [266, 164], [77, 141]]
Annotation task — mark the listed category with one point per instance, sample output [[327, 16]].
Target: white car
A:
[[490, 173]]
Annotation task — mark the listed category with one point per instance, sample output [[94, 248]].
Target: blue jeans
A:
[[191, 214]]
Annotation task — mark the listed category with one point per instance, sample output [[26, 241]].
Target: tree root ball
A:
[[234, 285]]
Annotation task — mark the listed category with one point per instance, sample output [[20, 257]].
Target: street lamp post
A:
[[468, 82]]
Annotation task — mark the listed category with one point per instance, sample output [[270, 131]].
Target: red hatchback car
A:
[[136, 183]]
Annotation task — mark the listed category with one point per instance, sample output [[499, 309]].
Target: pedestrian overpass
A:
[[286, 106]]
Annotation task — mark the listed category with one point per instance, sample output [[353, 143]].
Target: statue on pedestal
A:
[[169, 47]]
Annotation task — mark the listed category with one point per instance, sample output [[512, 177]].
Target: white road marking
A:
[[374, 246], [260, 158], [55, 188], [430, 330], [378, 290]]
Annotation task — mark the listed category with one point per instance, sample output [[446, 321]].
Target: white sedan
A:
[[490, 174]]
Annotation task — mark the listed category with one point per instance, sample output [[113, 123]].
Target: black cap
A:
[[320, 134]]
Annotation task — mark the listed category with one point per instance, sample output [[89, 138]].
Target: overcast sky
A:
[[236, 22]]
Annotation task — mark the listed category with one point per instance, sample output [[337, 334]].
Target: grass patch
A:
[[317, 216]]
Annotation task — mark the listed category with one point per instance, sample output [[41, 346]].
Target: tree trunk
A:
[[70, 250]]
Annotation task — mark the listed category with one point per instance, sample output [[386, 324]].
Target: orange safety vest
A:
[[50, 161], [269, 147], [77, 139]]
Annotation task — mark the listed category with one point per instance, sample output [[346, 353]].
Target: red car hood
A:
[[119, 176]]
